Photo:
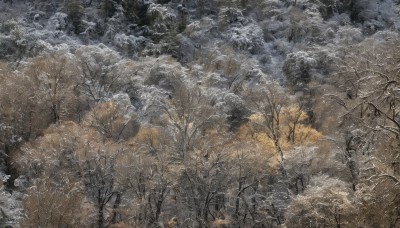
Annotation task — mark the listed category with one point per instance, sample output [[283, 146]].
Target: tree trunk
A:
[[116, 205], [100, 220]]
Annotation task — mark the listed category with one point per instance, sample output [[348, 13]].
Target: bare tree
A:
[[113, 121], [328, 204], [52, 204], [201, 189], [269, 102], [55, 81], [99, 179], [368, 81], [147, 177], [189, 115], [56, 156], [99, 74]]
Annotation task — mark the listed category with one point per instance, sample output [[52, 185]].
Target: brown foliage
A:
[[50, 204]]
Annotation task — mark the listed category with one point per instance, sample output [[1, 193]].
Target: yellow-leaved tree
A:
[[277, 124]]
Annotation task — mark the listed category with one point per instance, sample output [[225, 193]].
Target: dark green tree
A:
[[75, 14]]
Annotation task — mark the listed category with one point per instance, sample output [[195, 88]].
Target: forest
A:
[[199, 113]]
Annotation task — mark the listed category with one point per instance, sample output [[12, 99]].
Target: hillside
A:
[[199, 113]]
